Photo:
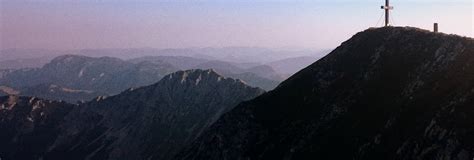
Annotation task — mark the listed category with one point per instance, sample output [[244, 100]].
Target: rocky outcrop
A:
[[29, 125], [387, 93]]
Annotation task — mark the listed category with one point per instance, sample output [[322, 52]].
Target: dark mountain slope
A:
[[149, 122], [387, 93], [28, 125]]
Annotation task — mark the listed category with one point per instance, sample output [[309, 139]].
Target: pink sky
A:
[[67, 24]]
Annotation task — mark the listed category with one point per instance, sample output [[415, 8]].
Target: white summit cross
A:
[[387, 9]]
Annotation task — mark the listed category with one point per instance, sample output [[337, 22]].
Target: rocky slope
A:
[[151, 122], [387, 93], [28, 125]]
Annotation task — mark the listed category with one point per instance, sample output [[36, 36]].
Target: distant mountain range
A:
[[256, 75], [79, 78], [4, 72], [290, 66], [387, 93], [152, 122], [84, 77], [59, 93], [76, 78], [24, 63], [36, 58]]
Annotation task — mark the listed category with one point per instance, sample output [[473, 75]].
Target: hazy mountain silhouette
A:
[[4, 72], [35, 58], [59, 93], [79, 78], [181, 62], [24, 63], [292, 65], [101, 75], [387, 93], [262, 76]]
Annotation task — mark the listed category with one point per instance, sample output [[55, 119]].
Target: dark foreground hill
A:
[[387, 93], [152, 122], [28, 125]]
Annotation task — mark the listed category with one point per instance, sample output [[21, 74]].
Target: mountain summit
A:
[[387, 93], [150, 122]]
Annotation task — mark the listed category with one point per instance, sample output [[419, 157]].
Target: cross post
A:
[[387, 9]]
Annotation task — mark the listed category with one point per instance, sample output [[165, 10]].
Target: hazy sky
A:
[[316, 24]]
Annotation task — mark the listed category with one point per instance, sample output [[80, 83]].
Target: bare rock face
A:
[[387, 93], [28, 125]]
